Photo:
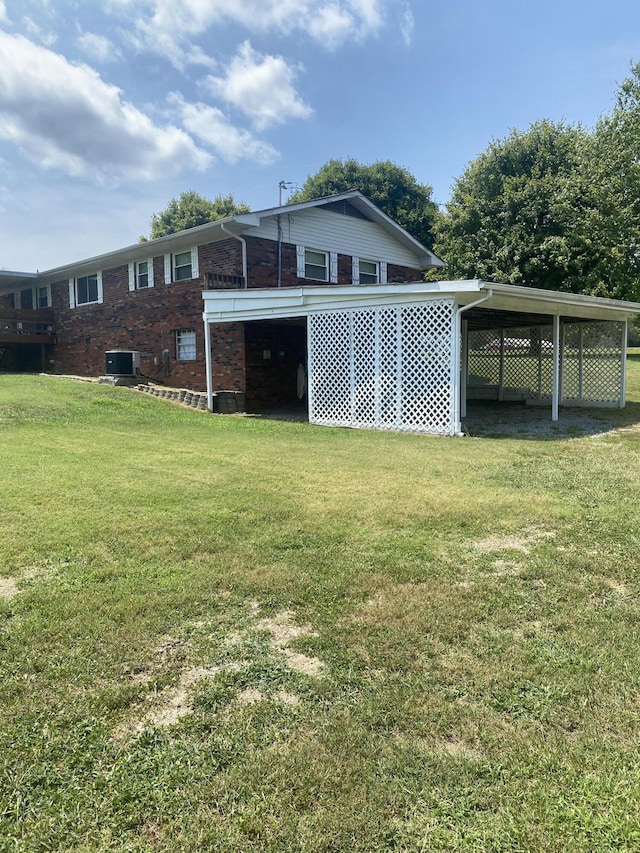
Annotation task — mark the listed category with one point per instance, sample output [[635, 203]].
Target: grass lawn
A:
[[221, 633]]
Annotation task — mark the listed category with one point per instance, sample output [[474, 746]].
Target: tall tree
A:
[[192, 209], [522, 212], [394, 189], [614, 174]]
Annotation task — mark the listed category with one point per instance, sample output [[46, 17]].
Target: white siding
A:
[[326, 231]]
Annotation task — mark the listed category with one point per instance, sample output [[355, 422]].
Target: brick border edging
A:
[[224, 402]]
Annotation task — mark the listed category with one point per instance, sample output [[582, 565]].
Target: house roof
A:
[[502, 306], [353, 202], [9, 277]]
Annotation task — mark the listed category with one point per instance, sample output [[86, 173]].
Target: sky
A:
[[111, 108]]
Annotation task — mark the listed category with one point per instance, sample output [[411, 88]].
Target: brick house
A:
[[147, 297], [322, 300]]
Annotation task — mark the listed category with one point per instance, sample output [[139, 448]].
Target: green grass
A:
[[221, 633]]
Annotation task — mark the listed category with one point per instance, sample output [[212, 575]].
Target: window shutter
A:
[[167, 269], [383, 272], [72, 293], [300, 257], [355, 270], [99, 282], [132, 276], [333, 267], [150, 271], [195, 272]]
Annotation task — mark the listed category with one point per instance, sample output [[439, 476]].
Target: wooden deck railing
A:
[[27, 327]]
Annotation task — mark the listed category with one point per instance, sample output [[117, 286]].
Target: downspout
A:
[[244, 253], [455, 377]]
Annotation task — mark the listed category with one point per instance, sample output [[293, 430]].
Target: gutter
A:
[[244, 252], [456, 366]]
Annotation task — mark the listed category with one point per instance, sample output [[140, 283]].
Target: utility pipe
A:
[[244, 253], [455, 361]]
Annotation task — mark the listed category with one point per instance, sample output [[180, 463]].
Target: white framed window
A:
[[186, 345], [44, 296], [317, 265], [141, 274], [369, 272], [181, 266], [85, 290]]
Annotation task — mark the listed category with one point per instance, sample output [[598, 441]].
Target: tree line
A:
[[556, 206]]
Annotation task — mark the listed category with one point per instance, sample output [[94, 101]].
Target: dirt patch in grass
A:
[[283, 631], [522, 542], [8, 588]]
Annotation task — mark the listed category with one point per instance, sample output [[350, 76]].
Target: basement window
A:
[[186, 345]]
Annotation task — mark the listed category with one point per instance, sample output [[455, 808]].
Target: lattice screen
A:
[[387, 368], [592, 362], [521, 367]]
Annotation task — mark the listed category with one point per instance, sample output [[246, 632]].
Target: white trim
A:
[[383, 272], [99, 284], [150, 272], [355, 269], [72, 293], [333, 267], [195, 269], [167, 268], [132, 275], [300, 250]]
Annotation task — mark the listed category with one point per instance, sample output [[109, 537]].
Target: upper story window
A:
[[141, 275], [368, 272], [26, 299], [317, 265], [181, 266], [44, 297], [85, 290]]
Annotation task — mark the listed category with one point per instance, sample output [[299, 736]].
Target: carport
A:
[[408, 356]]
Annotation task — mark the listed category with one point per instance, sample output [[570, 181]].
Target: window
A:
[[315, 265], [26, 299], [186, 345], [141, 275], [182, 266], [368, 272], [44, 300], [85, 290]]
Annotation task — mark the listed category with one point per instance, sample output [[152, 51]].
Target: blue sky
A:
[[110, 109]]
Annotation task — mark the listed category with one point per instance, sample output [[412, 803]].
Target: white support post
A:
[[556, 368], [540, 363], [464, 369], [623, 364], [581, 361], [207, 356], [456, 424], [501, 375]]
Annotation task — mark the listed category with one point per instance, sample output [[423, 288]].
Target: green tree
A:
[[392, 188], [522, 213], [614, 174], [192, 209]]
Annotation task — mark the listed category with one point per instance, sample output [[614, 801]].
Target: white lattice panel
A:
[[386, 368], [592, 362], [519, 359]]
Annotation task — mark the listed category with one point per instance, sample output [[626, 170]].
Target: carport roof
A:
[[498, 305]]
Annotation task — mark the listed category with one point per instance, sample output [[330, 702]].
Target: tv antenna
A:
[[283, 185]]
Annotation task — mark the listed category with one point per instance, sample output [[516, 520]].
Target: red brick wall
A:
[[262, 264], [147, 321]]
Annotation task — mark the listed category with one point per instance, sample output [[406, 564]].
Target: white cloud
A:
[[214, 129], [169, 27], [97, 47], [33, 29], [66, 117], [407, 23], [261, 86]]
